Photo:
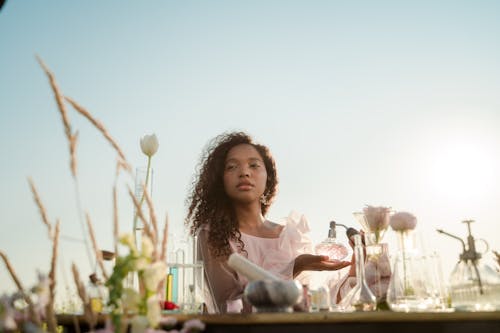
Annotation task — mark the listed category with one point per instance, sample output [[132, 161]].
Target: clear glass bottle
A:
[[474, 285], [360, 298], [331, 247]]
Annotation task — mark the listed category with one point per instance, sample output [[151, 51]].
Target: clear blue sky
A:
[[390, 103]]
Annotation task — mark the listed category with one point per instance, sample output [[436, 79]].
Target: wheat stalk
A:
[[116, 229], [87, 309], [72, 138], [98, 253], [33, 313], [164, 240], [120, 164], [41, 207], [51, 317], [100, 126]]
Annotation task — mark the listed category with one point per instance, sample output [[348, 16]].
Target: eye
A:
[[255, 165], [230, 167]]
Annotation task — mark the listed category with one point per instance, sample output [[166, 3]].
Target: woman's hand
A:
[[311, 262]]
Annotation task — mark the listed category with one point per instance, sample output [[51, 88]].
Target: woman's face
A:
[[245, 174]]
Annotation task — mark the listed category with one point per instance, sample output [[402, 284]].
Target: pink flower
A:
[[403, 221], [377, 218], [374, 221]]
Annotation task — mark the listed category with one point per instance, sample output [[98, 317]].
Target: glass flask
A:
[[359, 298], [474, 285]]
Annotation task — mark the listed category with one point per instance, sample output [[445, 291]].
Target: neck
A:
[[249, 216]]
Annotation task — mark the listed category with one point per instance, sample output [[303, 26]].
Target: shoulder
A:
[[274, 225]]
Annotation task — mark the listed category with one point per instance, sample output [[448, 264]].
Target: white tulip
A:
[[149, 144]]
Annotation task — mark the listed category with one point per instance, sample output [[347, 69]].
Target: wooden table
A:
[[368, 322]]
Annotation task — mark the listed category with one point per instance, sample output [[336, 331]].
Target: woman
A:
[[235, 186]]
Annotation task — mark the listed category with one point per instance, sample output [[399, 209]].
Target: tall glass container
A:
[[360, 298]]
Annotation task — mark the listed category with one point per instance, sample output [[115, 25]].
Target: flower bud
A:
[[149, 144], [403, 221]]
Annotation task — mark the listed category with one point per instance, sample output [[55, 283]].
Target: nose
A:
[[244, 171]]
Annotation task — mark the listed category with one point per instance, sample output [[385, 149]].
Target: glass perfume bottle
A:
[[360, 298], [331, 247]]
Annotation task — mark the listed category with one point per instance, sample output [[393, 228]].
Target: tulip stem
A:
[[142, 198]]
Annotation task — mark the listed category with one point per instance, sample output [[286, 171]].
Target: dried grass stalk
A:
[[116, 230], [152, 215], [41, 207], [100, 126], [64, 115], [140, 215], [49, 309], [98, 253], [164, 241], [31, 308], [121, 165], [89, 315]]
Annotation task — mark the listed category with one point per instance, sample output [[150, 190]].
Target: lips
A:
[[244, 185]]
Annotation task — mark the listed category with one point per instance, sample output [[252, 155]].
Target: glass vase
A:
[[407, 290], [378, 272]]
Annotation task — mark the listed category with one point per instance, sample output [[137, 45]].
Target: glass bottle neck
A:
[[360, 264]]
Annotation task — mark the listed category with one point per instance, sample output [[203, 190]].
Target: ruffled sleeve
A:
[[293, 241]]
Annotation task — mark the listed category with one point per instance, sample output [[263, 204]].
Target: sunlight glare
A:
[[462, 170]]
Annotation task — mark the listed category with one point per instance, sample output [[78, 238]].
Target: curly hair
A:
[[209, 205]]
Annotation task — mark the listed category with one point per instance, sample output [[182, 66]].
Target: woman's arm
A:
[[311, 262], [222, 281]]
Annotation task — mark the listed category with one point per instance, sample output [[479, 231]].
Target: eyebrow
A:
[[251, 159]]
